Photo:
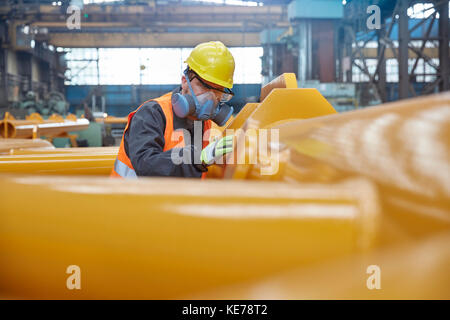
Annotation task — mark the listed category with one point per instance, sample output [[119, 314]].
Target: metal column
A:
[[3, 78], [444, 68], [348, 56], [382, 64], [305, 51], [403, 36]]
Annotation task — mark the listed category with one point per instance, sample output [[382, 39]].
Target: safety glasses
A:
[[227, 94]]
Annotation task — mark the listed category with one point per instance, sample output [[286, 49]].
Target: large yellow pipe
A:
[[111, 120], [81, 150], [59, 163], [281, 102], [414, 271], [402, 147], [25, 128], [8, 146], [286, 80], [164, 238], [32, 156]]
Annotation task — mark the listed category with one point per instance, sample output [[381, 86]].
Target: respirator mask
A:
[[202, 107]]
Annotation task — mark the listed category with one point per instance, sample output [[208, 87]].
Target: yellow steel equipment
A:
[[402, 147], [70, 163], [333, 194], [34, 127], [83, 150], [414, 271], [281, 101], [9, 146], [286, 80], [111, 119], [164, 238]]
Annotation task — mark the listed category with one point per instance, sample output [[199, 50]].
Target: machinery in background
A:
[[53, 103], [329, 42], [56, 103], [49, 111], [111, 129], [307, 47], [93, 108]]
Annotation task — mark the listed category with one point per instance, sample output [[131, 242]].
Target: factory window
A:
[[248, 64], [358, 75], [111, 66], [391, 70], [423, 10], [424, 71], [82, 66]]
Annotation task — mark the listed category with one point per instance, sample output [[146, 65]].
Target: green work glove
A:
[[217, 149]]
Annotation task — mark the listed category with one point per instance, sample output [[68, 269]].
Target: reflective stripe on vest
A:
[[123, 170]]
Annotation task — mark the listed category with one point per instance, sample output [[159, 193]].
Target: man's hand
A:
[[217, 149]]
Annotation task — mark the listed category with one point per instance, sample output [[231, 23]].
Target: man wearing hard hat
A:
[[152, 135]]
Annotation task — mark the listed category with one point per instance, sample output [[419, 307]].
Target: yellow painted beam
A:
[[164, 238], [413, 271], [112, 119], [59, 163], [82, 150], [282, 104], [242, 116], [31, 128], [403, 147], [286, 80], [8, 146]]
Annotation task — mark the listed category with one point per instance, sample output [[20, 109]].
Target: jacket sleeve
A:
[[144, 144]]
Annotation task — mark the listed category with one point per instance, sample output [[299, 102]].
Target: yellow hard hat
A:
[[213, 62]]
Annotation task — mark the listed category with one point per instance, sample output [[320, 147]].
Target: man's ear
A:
[[184, 86]]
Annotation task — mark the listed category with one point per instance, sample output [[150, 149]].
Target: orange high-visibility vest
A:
[[123, 167]]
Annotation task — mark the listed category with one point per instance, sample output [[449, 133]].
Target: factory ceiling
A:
[[147, 24]]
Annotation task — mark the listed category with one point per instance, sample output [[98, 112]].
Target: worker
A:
[[152, 135]]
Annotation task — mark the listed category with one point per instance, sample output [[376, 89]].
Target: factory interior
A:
[[337, 184]]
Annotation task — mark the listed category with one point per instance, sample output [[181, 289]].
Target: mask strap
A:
[[197, 104]]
